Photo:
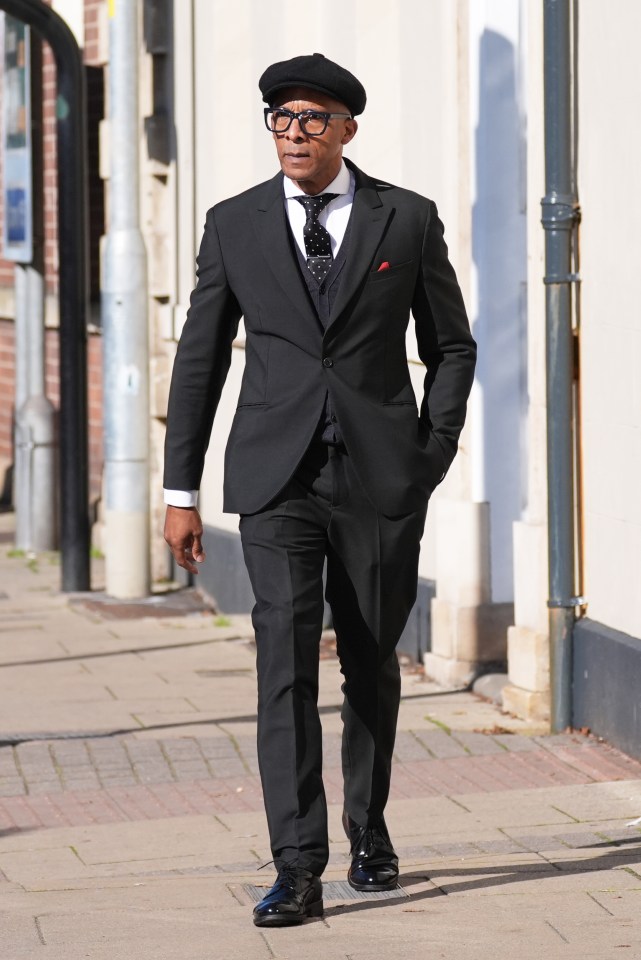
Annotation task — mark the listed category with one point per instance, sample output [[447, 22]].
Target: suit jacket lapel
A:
[[369, 220], [270, 223]]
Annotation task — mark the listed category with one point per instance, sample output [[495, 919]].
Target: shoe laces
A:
[[288, 873], [369, 838]]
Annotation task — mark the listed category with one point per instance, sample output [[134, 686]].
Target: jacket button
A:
[[328, 362]]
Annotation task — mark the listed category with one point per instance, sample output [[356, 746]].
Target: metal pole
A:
[[35, 435], [21, 491], [72, 240], [560, 215], [124, 319]]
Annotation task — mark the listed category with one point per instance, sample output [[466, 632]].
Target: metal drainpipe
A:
[[35, 488], [559, 218]]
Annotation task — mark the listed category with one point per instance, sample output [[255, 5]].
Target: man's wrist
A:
[[181, 498]]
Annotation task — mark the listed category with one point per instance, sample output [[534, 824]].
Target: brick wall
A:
[[52, 386], [94, 381], [95, 104], [7, 390], [93, 11]]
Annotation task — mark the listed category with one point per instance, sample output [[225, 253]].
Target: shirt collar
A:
[[341, 184]]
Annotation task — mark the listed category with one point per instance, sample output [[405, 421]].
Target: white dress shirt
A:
[[334, 217]]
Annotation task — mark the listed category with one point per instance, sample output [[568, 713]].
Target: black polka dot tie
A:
[[318, 244]]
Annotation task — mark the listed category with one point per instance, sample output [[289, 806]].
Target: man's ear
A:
[[351, 126]]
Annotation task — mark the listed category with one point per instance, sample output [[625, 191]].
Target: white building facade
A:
[[455, 112]]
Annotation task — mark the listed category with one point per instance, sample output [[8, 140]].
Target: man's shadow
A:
[[495, 876]]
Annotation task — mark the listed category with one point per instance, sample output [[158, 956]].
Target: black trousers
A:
[[372, 572]]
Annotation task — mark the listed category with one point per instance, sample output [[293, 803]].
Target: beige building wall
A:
[[609, 142], [528, 642], [436, 99], [413, 132], [608, 165], [474, 532], [417, 62]]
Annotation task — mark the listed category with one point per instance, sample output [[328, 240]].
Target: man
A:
[[328, 456]]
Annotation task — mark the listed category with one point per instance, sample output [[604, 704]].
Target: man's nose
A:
[[295, 131]]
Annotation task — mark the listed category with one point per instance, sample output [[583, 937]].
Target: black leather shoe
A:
[[296, 895], [374, 861]]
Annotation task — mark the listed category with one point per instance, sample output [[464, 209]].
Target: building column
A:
[[468, 629], [528, 645], [528, 692]]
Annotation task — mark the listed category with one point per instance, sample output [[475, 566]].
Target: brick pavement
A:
[[103, 780], [131, 818]]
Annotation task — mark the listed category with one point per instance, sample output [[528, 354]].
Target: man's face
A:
[[312, 162]]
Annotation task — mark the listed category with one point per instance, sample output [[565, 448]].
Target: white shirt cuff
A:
[[181, 498]]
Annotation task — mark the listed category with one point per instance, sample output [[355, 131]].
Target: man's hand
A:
[[183, 533]]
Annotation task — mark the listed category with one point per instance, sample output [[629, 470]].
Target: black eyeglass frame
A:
[[301, 119]]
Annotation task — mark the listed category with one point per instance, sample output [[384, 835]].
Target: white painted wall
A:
[[609, 149], [73, 12], [530, 532], [450, 86], [497, 35], [407, 57]]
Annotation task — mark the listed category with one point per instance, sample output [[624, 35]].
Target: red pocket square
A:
[[384, 266]]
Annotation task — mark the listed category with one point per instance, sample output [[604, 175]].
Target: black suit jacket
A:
[[246, 267]]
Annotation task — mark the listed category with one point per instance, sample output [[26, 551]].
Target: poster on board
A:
[[17, 225]]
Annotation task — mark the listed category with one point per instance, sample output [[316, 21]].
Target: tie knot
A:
[[314, 205]]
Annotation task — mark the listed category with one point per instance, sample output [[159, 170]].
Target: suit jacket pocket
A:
[[390, 272]]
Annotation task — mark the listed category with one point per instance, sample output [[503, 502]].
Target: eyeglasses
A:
[[314, 124]]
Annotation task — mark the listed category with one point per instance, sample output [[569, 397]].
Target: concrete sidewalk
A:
[[131, 821]]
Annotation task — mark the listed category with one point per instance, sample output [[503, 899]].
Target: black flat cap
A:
[[317, 73]]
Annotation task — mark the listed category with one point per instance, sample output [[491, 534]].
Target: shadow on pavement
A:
[[10, 831], [492, 877], [97, 654]]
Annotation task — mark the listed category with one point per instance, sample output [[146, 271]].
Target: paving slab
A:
[[178, 934], [132, 823]]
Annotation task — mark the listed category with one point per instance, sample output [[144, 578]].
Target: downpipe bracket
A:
[[568, 603], [560, 212], [562, 278]]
